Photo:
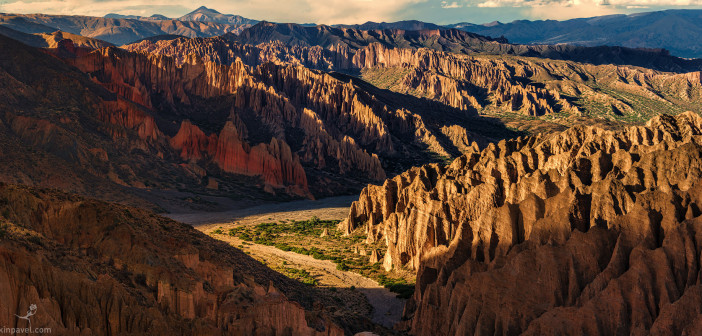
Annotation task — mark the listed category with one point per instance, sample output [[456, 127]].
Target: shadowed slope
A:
[[97, 268]]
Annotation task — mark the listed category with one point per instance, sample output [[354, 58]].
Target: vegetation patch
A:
[[299, 274], [305, 237]]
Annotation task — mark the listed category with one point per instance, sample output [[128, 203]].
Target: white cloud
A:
[[454, 4], [568, 9], [582, 3]]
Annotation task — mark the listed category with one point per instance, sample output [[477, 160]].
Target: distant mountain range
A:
[[404, 25], [679, 31], [119, 29], [202, 14]]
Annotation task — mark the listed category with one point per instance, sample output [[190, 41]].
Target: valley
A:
[[386, 307], [210, 174]]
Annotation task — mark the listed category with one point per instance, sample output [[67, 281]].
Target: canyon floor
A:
[[356, 291], [324, 208]]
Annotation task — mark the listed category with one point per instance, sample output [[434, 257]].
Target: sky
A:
[[357, 11]]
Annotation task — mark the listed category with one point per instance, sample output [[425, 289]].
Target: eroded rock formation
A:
[[96, 268], [280, 122], [584, 231], [486, 84]]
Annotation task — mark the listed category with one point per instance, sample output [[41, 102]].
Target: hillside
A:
[[51, 40], [117, 125], [460, 42], [97, 268]]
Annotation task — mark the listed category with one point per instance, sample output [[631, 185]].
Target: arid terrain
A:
[[210, 174], [386, 307]]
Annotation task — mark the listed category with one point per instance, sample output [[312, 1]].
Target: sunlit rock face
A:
[[584, 231]]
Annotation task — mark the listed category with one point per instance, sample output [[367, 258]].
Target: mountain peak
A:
[[202, 9]]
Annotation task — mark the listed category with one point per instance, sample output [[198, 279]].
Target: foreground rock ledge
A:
[[581, 232]]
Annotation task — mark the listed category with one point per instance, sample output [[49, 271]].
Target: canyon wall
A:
[[445, 77], [279, 121], [524, 85], [611, 219]]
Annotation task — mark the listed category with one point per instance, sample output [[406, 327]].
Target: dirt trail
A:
[[387, 308]]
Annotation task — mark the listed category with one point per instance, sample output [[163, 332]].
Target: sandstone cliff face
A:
[[95, 268], [584, 231]]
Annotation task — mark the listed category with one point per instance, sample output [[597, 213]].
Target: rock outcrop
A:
[[97, 268], [584, 231]]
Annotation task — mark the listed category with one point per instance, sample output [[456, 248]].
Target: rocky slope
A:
[[332, 122], [461, 42], [584, 231], [96, 268], [484, 84], [60, 129], [456, 82], [129, 120]]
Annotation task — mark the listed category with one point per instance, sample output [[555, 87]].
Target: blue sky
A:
[[356, 11]]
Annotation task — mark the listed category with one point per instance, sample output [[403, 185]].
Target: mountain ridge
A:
[[117, 31], [675, 30]]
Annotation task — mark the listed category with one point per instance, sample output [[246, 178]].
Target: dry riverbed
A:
[[357, 293]]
